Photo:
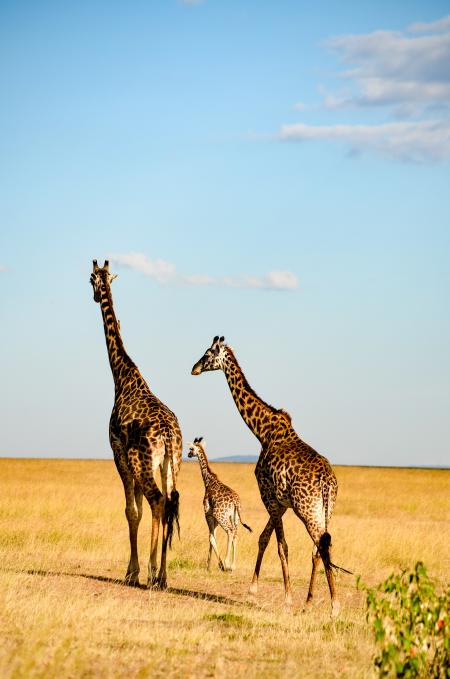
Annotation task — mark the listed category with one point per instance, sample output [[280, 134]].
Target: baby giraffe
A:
[[222, 508]]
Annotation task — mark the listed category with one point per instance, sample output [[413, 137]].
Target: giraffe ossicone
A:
[[290, 474]]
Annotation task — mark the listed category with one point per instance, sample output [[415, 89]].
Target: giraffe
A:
[[290, 474], [222, 508], [144, 436]]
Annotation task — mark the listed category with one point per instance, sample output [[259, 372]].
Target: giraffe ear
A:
[[112, 276]]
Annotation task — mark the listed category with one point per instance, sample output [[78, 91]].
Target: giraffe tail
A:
[[172, 504], [172, 514], [238, 510], [324, 551]]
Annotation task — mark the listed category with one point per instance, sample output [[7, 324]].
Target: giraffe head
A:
[[213, 357], [195, 445], [100, 276]]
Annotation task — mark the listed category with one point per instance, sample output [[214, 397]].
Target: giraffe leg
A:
[[325, 554], [315, 563], [263, 541], [157, 510], [162, 575], [169, 509], [133, 512], [228, 566], [283, 554], [233, 565], [212, 523], [322, 539], [214, 528]]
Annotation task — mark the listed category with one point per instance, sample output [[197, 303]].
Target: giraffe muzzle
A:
[[197, 369]]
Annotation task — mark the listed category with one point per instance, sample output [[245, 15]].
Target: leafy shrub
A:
[[410, 619]]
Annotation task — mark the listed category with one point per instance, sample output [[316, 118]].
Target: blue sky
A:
[[276, 172]]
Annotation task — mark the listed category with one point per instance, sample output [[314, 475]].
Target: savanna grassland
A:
[[64, 550]]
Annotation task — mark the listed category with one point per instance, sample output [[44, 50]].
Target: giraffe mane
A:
[[248, 387]]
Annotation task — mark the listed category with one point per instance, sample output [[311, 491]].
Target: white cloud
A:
[[441, 25], [391, 68], [159, 269], [418, 142], [165, 273], [404, 74], [2, 268]]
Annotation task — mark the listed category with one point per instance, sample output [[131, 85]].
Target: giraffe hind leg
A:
[[315, 562], [322, 539], [230, 538], [133, 512], [325, 554], [212, 524]]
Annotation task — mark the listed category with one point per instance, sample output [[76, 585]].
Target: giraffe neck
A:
[[118, 357], [257, 415], [207, 474]]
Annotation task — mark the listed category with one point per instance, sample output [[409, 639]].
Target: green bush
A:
[[410, 619]]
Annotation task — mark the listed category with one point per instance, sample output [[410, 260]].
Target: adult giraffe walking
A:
[[289, 473], [145, 437]]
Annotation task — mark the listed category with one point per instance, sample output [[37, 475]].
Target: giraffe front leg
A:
[[263, 541], [283, 554]]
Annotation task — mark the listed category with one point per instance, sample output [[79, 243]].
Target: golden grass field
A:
[[64, 550]]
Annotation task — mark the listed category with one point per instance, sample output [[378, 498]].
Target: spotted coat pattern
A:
[[222, 508], [146, 441], [290, 474]]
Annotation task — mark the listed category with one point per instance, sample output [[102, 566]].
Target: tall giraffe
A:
[[289, 473], [144, 436], [222, 507]]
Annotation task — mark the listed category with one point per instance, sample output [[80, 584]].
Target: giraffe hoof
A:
[[307, 606], [157, 583], [335, 609], [253, 589], [132, 580], [287, 606]]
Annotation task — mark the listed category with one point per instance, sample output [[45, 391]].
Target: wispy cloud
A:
[[165, 273], [404, 74], [418, 142], [191, 2], [2, 268]]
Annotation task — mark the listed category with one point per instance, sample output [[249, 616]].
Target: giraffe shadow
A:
[[206, 596], [98, 578], [195, 594]]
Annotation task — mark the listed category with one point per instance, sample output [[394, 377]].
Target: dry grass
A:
[[64, 551]]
